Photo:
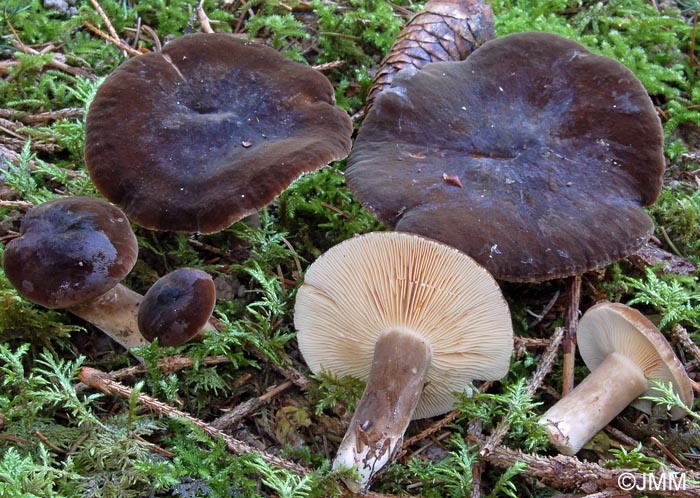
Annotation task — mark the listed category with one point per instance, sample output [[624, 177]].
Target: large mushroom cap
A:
[[208, 131], [615, 328], [177, 306], [70, 250], [383, 281], [534, 156]]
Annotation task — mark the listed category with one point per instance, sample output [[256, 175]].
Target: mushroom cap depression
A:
[[70, 250], [377, 282], [177, 306], [616, 328], [209, 130], [534, 156]]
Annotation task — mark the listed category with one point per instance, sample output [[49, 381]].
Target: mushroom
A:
[[534, 156], [417, 319], [444, 30], [623, 350], [72, 253], [176, 309], [208, 131]]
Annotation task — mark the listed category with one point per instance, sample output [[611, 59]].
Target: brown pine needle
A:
[[114, 41], [666, 451], [48, 443], [42, 117], [105, 19], [100, 380], [438, 425]]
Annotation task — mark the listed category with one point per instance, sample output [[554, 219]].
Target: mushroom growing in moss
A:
[[534, 156], [417, 319], [177, 307], [624, 351], [72, 253], [208, 131]]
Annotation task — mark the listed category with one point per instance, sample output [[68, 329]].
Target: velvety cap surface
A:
[[534, 156], [70, 250], [177, 306], [208, 131], [382, 281]]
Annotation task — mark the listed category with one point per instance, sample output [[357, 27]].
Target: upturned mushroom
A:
[[417, 319], [534, 156], [72, 253], [624, 351], [177, 307], [208, 131]]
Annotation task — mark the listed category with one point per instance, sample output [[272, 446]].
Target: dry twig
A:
[[203, 18], [101, 381], [532, 386], [56, 63], [565, 472], [16, 204], [41, 117], [112, 37], [242, 410], [439, 424], [12, 157], [679, 333], [547, 308], [569, 341]]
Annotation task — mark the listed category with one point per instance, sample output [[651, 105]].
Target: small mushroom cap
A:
[[208, 131], [616, 328], [177, 306], [534, 156], [70, 250], [383, 281]]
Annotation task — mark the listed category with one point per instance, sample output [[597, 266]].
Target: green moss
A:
[[268, 259], [677, 213], [653, 44]]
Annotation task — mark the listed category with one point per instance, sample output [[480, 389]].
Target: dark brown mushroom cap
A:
[[208, 131], [177, 306], [70, 250], [534, 156]]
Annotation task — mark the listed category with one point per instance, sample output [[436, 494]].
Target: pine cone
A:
[[445, 30]]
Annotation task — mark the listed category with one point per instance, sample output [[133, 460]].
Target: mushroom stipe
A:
[[624, 350], [72, 253], [417, 319]]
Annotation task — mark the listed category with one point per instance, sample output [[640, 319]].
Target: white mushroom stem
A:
[[599, 398], [396, 380], [115, 313]]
